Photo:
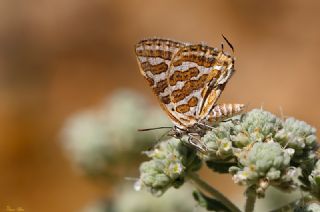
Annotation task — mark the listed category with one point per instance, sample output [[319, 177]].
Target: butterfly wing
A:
[[224, 65], [197, 76], [154, 57]]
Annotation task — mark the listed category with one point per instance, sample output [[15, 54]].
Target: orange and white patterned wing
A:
[[224, 64], [154, 57], [197, 76]]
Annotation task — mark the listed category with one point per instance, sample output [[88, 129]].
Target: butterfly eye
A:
[[211, 59]]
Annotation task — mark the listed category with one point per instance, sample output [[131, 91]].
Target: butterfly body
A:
[[187, 79]]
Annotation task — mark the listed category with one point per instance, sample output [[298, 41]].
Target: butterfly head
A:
[[177, 132]]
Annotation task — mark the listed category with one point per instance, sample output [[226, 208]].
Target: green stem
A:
[[251, 199], [219, 196]]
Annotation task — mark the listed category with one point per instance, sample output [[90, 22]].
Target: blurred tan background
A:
[[58, 57]]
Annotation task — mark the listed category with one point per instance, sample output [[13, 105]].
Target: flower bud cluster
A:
[[170, 162], [263, 164], [98, 140], [229, 137], [263, 146], [219, 142], [297, 135], [314, 179]]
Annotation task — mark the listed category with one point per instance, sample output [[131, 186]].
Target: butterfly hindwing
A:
[[224, 65], [197, 75]]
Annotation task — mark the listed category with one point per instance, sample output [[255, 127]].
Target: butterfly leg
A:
[[236, 120], [196, 142], [206, 126], [225, 120]]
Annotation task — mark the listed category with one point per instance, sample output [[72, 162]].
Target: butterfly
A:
[[187, 80]]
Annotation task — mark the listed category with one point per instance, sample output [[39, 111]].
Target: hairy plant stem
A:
[[251, 199], [218, 195]]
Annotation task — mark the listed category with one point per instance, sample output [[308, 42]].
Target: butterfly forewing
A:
[[154, 57]]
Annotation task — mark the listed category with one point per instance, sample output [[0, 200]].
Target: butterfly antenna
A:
[[228, 42], [157, 143], [154, 128]]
